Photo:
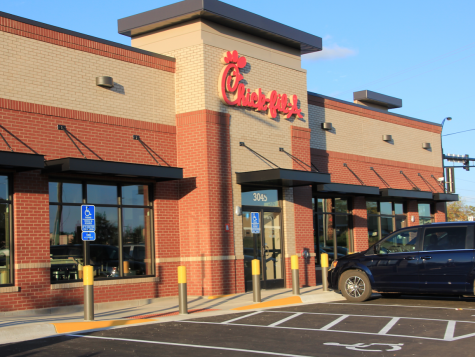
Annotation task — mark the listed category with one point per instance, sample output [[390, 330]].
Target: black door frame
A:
[[274, 283]]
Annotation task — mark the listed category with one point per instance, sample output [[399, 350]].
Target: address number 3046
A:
[[259, 197]]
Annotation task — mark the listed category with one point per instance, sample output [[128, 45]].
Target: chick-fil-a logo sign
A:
[[229, 82]]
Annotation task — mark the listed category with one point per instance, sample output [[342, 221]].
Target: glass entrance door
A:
[[266, 246]]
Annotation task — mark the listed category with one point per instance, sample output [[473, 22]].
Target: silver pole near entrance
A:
[[256, 281], [182, 291], [88, 281], [324, 264], [294, 262]]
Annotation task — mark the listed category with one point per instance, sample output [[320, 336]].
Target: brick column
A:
[[303, 212], [203, 151], [360, 224], [439, 215], [412, 210]]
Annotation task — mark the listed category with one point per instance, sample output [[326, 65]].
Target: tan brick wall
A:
[[44, 73], [360, 135], [198, 66]]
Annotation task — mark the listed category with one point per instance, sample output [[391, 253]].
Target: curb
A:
[[13, 334]]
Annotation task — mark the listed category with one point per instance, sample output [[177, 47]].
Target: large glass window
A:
[[425, 216], [123, 245], [332, 231], [6, 254], [383, 219]]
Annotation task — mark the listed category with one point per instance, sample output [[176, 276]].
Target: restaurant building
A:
[[178, 140]]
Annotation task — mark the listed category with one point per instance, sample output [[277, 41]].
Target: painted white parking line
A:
[[389, 326], [286, 319], [241, 317], [449, 331], [419, 307], [189, 345], [316, 329], [334, 322], [448, 336]]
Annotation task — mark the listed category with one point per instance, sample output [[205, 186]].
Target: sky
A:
[[420, 51]]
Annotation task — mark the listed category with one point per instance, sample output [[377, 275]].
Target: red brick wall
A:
[[389, 170], [360, 224], [111, 139], [303, 212], [81, 44], [206, 202]]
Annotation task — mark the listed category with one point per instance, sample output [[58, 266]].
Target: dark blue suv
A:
[[437, 258]]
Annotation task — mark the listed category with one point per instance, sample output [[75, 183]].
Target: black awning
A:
[[346, 189], [112, 168], [412, 194], [20, 161], [446, 197], [281, 177]]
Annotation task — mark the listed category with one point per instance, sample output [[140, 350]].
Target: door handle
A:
[[409, 258], [426, 257]]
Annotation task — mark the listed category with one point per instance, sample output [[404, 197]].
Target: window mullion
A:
[[119, 218]]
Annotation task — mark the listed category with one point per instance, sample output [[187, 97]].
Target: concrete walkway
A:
[[36, 325]]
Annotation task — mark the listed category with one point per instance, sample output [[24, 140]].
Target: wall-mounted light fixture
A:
[[327, 126], [238, 211], [426, 146], [387, 138], [104, 81]]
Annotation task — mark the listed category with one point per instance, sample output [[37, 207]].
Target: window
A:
[[444, 238], [6, 254], [383, 219], [332, 233], [425, 216], [123, 245], [401, 242]]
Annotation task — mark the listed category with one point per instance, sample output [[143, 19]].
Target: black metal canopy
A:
[[412, 194], [281, 178], [446, 197], [346, 189], [112, 168], [20, 161]]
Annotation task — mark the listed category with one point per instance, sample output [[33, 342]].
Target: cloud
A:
[[329, 53]]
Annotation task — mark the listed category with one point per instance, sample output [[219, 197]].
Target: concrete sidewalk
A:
[[36, 325]]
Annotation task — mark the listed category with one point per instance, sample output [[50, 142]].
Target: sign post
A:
[[88, 228]]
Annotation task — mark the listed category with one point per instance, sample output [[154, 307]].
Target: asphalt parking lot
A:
[[386, 327]]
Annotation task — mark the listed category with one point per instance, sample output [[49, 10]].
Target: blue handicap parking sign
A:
[[88, 218], [88, 236], [255, 223]]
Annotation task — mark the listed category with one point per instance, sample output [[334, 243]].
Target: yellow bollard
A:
[[182, 293], [88, 282], [324, 264], [294, 263], [256, 280]]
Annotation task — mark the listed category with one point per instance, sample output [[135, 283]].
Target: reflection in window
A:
[[6, 254], [111, 254], [425, 216], [383, 219], [404, 241], [332, 231], [445, 238]]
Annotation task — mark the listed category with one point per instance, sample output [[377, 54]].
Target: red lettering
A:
[[229, 82]]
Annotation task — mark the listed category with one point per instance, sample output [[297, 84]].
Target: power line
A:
[[458, 132]]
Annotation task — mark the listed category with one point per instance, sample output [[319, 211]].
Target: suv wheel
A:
[[355, 286]]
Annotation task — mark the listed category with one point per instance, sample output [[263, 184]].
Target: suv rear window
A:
[[445, 238]]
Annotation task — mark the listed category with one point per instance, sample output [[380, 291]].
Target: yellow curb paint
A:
[[65, 327], [219, 296], [272, 303]]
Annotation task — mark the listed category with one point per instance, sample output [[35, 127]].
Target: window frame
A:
[[10, 234], [119, 206], [323, 213], [431, 216], [393, 216]]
